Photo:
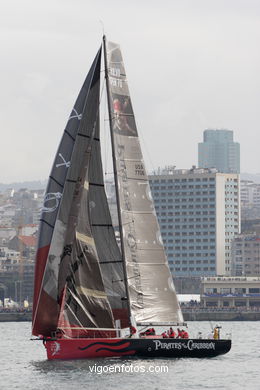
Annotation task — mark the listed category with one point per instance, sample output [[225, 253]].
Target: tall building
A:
[[246, 255], [199, 214], [218, 150]]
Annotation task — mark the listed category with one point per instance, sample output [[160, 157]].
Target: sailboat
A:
[[93, 297]]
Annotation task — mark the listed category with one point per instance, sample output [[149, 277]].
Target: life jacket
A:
[[185, 335]]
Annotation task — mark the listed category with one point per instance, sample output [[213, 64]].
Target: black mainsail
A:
[[150, 287], [69, 288]]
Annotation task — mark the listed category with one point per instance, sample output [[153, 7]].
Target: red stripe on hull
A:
[[87, 348]]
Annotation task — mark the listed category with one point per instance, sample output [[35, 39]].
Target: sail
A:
[[151, 290], [67, 272], [109, 255]]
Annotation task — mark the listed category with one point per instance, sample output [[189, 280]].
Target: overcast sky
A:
[[191, 65]]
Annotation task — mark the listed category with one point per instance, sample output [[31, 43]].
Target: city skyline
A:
[[190, 67]]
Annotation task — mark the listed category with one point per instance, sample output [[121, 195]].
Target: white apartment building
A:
[[199, 214]]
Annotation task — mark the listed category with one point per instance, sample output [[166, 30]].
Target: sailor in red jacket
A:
[[165, 335], [179, 336], [185, 334], [172, 334], [150, 332]]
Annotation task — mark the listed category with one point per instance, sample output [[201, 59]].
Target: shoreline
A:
[[217, 316], [191, 315]]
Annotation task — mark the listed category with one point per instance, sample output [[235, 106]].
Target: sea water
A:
[[23, 365]]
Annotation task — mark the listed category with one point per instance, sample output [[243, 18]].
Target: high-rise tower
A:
[[218, 150]]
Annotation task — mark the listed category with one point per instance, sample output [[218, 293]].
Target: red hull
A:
[[83, 348], [87, 348]]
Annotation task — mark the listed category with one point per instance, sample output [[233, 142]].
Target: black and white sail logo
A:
[[64, 163], [75, 115], [51, 202]]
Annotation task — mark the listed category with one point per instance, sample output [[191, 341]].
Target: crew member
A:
[[216, 333], [165, 335], [149, 332], [172, 334]]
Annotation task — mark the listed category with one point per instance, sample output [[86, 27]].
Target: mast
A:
[[115, 179]]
